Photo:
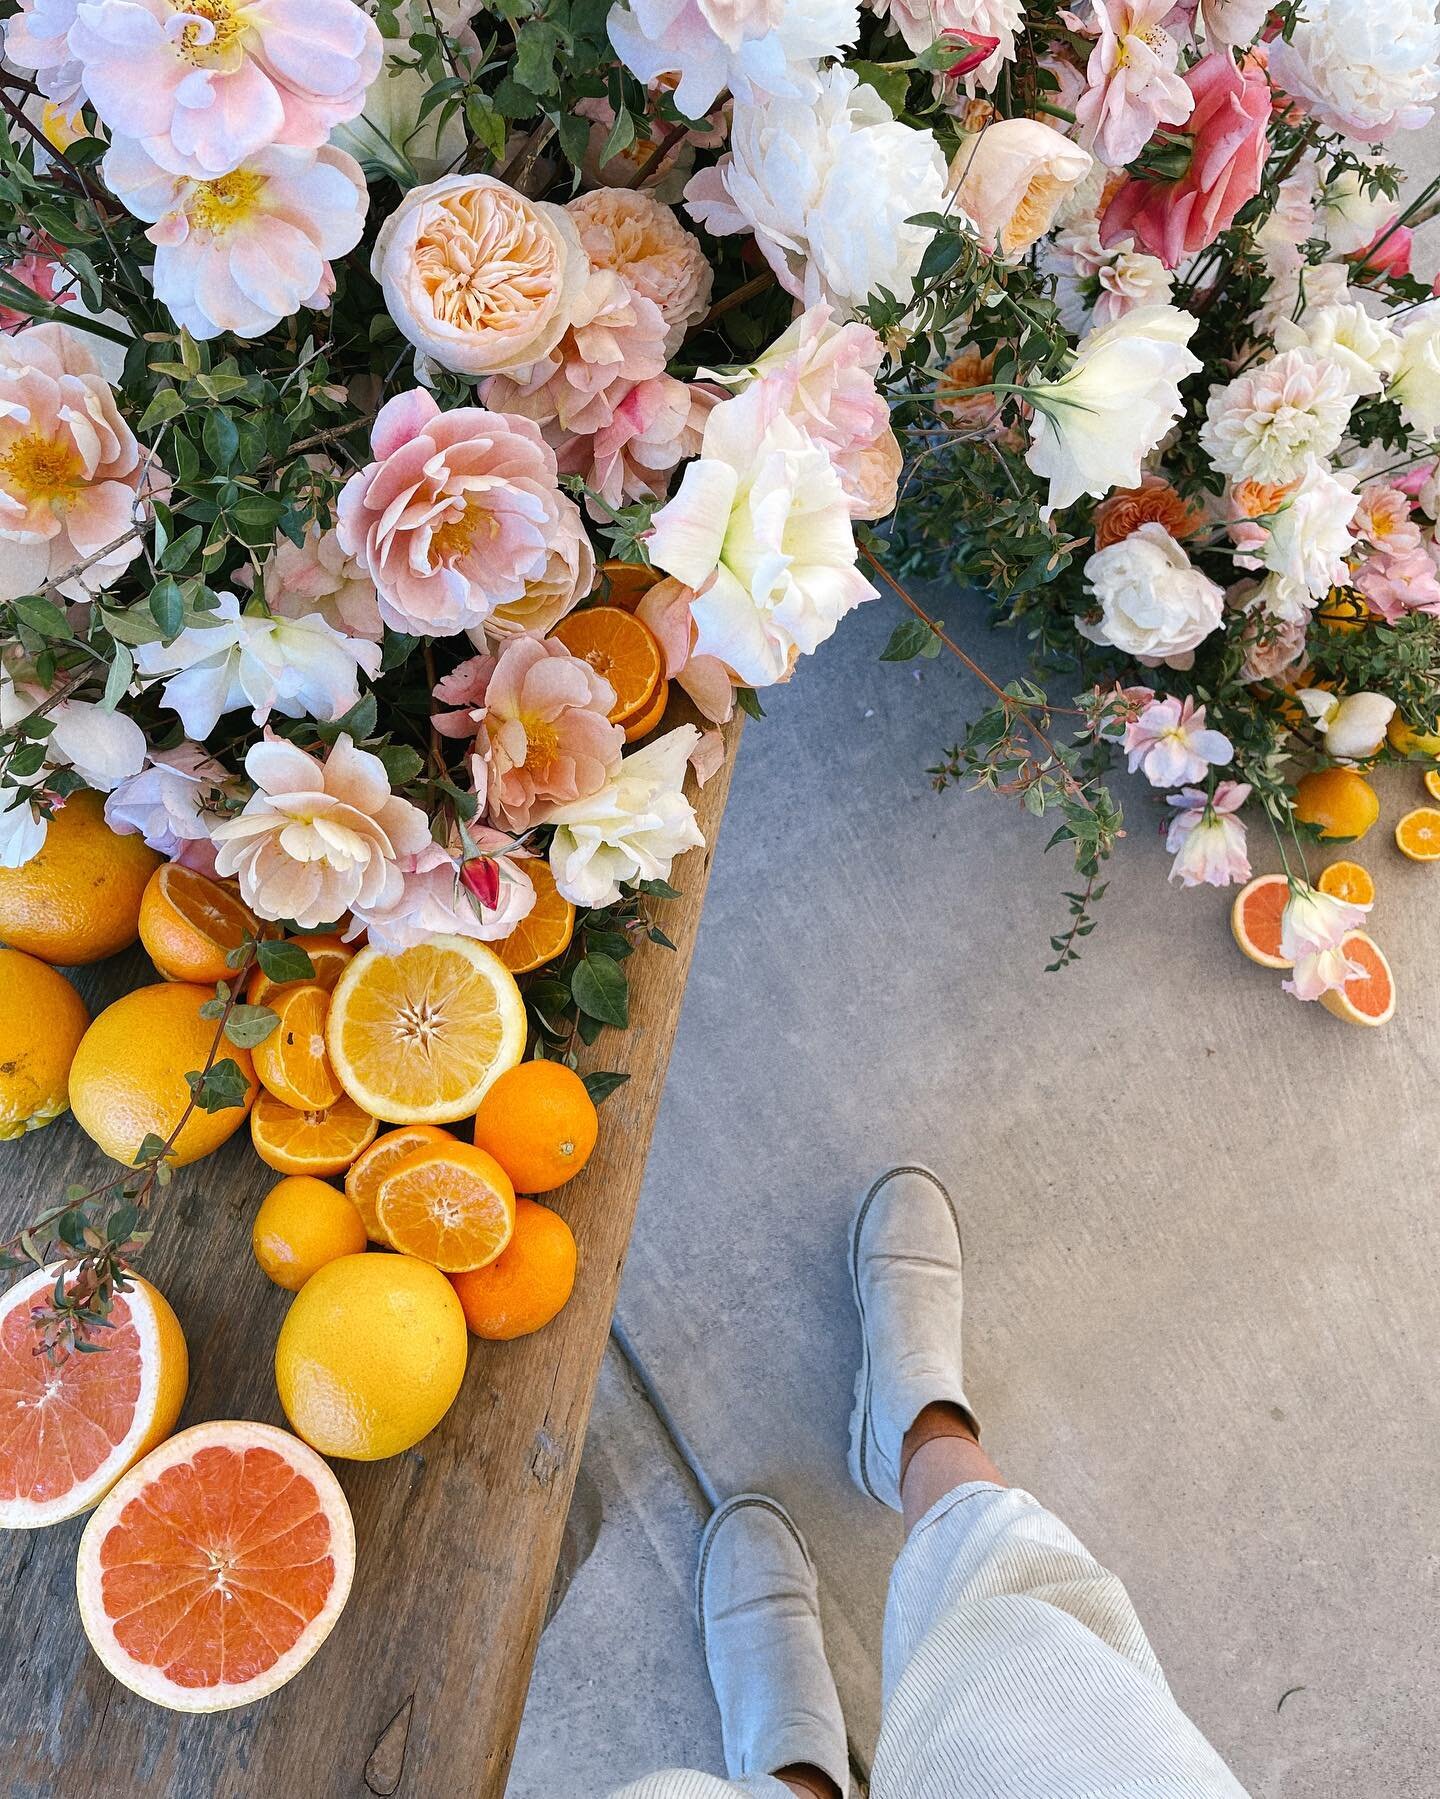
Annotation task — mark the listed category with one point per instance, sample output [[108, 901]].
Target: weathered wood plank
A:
[[420, 1689]]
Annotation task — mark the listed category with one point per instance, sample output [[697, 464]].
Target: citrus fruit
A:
[[418, 1036], [1418, 834], [645, 722], [326, 1141], [1255, 919], [1343, 611], [627, 583], [42, 1019], [540, 1125], [620, 647], [217, 1567], [370, 1356], [527, 1283], [302, 1224], [1405, 740], [1367, 998], [291, 1062], [546, 929], [79, 899], [328, 957], [1348, 881], [1342, 803], [365, 1173], [71, 1426], [448, 1204], [128, 1077], [189, 924], [1432, 783]]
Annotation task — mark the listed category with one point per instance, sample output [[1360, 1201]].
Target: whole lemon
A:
[[42, 1019], [1407, 741], [370, 1356], [302, 1224], [79, 899], [128, 1077]]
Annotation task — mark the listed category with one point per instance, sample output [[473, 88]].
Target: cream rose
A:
[[1010, 179], [1153, 603]]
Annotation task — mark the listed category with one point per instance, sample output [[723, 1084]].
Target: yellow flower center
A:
[[456, 536], [40, 469], [211, 32], [219, 206], [542, 743]]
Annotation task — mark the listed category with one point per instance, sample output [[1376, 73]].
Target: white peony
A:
[[1308, 540], [165, 803], [827, 186], [1362, 69], [632, 829], [1364, 348], [1268, 423], [1416, 384], [1153, 603]]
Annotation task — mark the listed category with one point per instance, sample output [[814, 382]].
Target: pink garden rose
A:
[[436, 898], [654, 426], [567, 578], [666, 609], [631, 233], [1175, 219]]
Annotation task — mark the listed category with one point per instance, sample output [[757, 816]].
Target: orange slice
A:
[[291, 1062], [189, 924], [450, 1205], [217, 1567], [328, 957], [1255, 919], [1367, 998], [546, 929], [1432, 783], [1418, 834], [70, 1427], [363, 1178], [617, 645], [645, 722], [1348, 881], [418, 1036], [627, 583], [322, 1142]]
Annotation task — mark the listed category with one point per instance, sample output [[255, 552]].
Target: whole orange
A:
[[42, 1019], [1341, 802], [79, 899], [301, 1225], [539, 1123], [528, 1282]]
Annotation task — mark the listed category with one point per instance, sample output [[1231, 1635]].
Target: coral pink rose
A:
[[38, 270], [1175, 219], [643, 241], [655, 426]]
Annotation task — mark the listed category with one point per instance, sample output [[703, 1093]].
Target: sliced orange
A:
[[292, 1062], [189, 924], [1432, 783], [645, 722], [617, 645], [546, 929], [1339, 801], [363, 1177], [328, 957], [1418, 834], [1345, 881], [1369, 997], [627, 583], [216, 1567], [418, 1036], [322, 1142], [1255, 919], [450, 1205]]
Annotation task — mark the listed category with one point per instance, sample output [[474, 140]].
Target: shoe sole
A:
[[860, 1412], [736, 1503]]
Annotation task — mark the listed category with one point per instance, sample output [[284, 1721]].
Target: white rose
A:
[[1351, 213], [632, 829], [1308, 540], [1362, 69], [1153, 603], [711, 45], [1364, 348], [1417, 373], [1011, 178]]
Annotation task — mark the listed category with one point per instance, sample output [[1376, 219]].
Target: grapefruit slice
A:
[[1367, 998], [1255, 919], [217, 1567], [70, 1428]]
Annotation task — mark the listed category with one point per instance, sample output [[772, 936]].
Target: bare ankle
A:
[[807, 1782], [941, 1418]]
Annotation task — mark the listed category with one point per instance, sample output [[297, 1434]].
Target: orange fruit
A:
[[540, 1125], [1367, 998], [418, 1036], [618, 646], [1432, 783], [322, 1142], [627, 583], [528, 1282], [328, 957], [1343, 611], [79, 899], [1348, 881], [645, 722], [217, 1567], [370, 1356], [1405, 740], [42, 1019], [1341, 802], [189, 924], [545, 931], [69, 1428], [291, 1062], [447, 1204], [1418, 834], [365, 1173], [302, 1224], [128, 1077], [1255, 919]]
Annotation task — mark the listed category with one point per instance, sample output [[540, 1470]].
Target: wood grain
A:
[[420, 1689]]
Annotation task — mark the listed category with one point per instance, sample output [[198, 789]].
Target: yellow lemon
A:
[[42, 1019], [1405, 740], [302, 1224]]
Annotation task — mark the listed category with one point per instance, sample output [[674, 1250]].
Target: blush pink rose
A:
[[653, 427]]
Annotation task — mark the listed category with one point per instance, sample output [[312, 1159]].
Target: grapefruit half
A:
[[1367, 998], [1255, 919]]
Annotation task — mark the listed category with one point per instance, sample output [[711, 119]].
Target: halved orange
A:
[[1367, 998], [1255, 919], [217, 1567], [328, 957], [1432, 783], [390, 1148], [321, 1142], [1348, 881], [291, 1062], [1418, 834], [617, 645], [645, 722], [450, 1205], [189, 924], [627, 583], [546, 929]]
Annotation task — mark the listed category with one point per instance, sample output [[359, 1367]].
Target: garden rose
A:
[[567, 577], [1153, 603], [631, 233], [317, 578], [976, 23], [653, 427], [1307, 540], [1168, 741], [632, 828], [1416, 382], [1313, 928], [1154, 501], [1131, 82], [1365, 348], [104, 747], [435, 898], [1010, 179], [37, 38], [1205, 837], [1360, 69], [667, 609], [1270, 422], [166, 802], [38, 270]]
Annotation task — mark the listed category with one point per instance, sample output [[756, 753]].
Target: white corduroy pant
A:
[[1014, 1668]]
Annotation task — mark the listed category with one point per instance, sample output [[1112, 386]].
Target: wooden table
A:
[[420, 1688]]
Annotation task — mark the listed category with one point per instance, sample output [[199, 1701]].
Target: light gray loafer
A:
[[756, 1599], [907, 1270]]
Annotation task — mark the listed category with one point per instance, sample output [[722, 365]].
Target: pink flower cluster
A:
[[1400, 571]]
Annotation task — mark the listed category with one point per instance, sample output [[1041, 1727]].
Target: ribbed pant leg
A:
[[686, 1783], [1015, 1668]]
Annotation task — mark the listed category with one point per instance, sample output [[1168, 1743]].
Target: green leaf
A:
[[401, 762], [748, 702], [535, 49], [601, 1084], [166, 405], [600, 989], [220, 1087], [248, 1025], [167, 605], [283, 960], [660, 889], [221, 439], [892, 85], [44, 616], [178, 553], [150, 1147], [28, 759], [117, 682], [911, 637]]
